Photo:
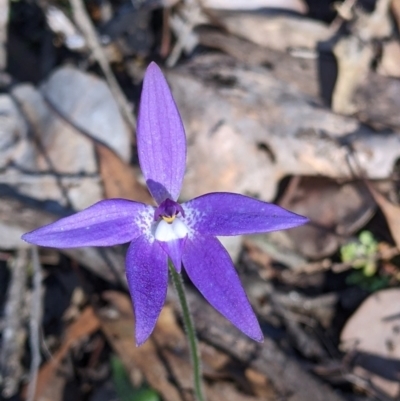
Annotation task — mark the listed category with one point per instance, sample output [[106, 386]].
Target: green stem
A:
[[190, 332]]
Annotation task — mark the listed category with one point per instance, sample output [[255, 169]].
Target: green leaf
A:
[[370, 268], [124, 388]]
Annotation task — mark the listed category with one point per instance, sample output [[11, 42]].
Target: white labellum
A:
[[167, 232]]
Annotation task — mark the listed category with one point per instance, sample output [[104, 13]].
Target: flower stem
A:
[[190, 333]]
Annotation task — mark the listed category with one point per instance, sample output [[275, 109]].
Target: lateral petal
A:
[[147, 275], [108, 222], [211, 270], [224, 213], [161, 137]]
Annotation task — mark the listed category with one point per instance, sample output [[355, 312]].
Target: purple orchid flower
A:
[[185, 232]]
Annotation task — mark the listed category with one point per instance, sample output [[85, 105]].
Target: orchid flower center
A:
[[170, 226], [168, 210]]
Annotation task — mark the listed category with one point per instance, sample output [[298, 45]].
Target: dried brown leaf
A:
[[259, 384], [391, 212], [166, 354], [335, 209], [119, 178], [86, 324], [119, 331]]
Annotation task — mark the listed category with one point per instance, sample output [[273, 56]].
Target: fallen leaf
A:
[[376, 25], [274, 31], [87, 102], [336, 210], [164, 359], [260, 384], [293, 5], [390, 61], [54, 391], [86, 324], [119, 332], [247, 130], [396, 11], [391, 212], [119, 178], [372, 335], [353, 58]]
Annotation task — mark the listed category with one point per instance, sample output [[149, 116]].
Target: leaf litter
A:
[[266, 115]]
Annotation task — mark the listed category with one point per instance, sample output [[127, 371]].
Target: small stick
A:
[[13, 339], [4, 12], [34, 323], [84, 23]]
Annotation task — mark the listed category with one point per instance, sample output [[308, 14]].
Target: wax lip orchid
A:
[[185, 233]]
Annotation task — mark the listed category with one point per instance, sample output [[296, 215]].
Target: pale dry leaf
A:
[[390, 61], [354, 54], [395, 8], [4, 13], [373, 334], [247, 130], [86, 101], [354, 58], [51, 160], [293, 5], [60, 24], [375, 25], [279, 32], [13, 131]]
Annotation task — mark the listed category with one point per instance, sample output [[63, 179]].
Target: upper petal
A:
[[147, 275], [210, 268], [108, 222], [223, 213], [161, 137]]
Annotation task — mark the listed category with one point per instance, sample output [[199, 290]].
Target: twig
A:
[[386, 254], [34, 323], [166, 34], [84, 23], [14, 334], [4, 11], [344, 13], [183, 25]]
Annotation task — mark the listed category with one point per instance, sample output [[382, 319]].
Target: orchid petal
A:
[[174, 250], [223, 213], [108, 222], [210, 268], [161, 138], [172, 237], [147, 275]]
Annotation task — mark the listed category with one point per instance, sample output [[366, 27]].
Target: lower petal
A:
[[174, 251], [211, 270], [147, 275]]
